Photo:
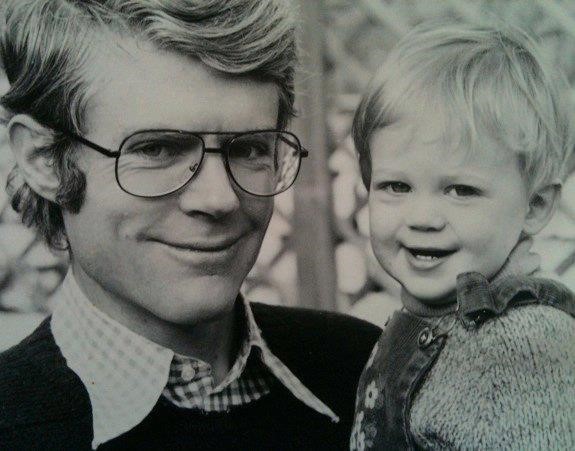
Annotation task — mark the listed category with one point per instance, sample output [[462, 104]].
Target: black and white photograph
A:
[[287, 225]]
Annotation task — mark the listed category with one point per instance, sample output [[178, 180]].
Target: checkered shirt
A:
[[125, 374], [190, 384]]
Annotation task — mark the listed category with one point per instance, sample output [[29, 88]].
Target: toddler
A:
[[464, 139]]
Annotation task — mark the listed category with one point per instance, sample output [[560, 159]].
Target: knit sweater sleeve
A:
[[508, 385]]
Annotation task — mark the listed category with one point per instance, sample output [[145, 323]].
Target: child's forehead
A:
[[437, 136], [418, 130]]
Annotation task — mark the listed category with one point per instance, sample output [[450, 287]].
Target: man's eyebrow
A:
[[130, 131]]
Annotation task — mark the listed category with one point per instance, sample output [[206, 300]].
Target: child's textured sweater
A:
[[499, 374]]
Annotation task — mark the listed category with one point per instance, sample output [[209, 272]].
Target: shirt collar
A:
[[125, 373]]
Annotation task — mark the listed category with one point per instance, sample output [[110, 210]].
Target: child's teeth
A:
[[426, 257]]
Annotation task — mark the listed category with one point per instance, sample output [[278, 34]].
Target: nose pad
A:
[[210, 191]]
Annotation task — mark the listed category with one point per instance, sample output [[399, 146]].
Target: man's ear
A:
[[27, 137], [542, 205]]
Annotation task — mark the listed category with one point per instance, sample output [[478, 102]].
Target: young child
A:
[[464, 138]]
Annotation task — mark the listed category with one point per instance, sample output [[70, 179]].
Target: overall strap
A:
[[402, 357], [480, 300]]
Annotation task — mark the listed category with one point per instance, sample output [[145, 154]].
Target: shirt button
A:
[[188, 373]]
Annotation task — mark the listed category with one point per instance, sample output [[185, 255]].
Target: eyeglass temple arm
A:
[[90, 144], [303, 151]]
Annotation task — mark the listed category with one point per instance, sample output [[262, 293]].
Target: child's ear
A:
[[27, 137], [542, 205]]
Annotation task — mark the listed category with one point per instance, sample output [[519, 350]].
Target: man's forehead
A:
[[145, 87]]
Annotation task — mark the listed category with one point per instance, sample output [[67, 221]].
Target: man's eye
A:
[[250, 150], [393, 187], [156, 151], [462, 191]]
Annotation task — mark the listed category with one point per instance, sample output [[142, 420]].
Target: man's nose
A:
[[425, 215], [210, 192]]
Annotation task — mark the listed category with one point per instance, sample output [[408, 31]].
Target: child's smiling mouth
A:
[[427, 257]]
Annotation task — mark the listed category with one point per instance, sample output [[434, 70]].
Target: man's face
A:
[[181, 257]]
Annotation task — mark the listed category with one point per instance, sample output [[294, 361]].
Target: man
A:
[[148, 135]]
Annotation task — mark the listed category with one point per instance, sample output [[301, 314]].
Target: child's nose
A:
[[425, 216]]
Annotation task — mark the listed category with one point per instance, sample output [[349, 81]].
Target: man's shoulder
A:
[[326, 339], [36, 386], [22, 362], [324, 326], [325, 350]]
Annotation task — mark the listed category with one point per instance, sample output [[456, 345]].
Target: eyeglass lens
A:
[[156, 163]]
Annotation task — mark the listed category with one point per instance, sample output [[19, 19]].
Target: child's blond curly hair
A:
[[497, 90]]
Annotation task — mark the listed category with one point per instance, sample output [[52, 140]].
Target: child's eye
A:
[[393, 187], [462, 191]]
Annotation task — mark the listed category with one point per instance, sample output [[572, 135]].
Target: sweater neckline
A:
[[445, 306]]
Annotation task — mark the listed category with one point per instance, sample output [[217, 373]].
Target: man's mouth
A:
[[204, 247], [208, 247]]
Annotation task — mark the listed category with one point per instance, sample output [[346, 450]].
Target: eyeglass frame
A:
[[222, 150]]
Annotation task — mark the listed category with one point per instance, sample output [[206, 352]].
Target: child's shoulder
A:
[[521, 309], [518, 367], [536, 326], [537, 331], [482, 303], [526, 346], [542, 286]]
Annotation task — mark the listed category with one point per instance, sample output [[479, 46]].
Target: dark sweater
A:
[[44, 405]]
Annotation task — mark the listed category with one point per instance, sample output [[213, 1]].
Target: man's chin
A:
[[197, 305], [194, 314]]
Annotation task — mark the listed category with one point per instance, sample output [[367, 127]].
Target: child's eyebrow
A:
[[388, 173], [466, 178]]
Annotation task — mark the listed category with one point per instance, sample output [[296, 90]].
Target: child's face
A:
[[437, 212]]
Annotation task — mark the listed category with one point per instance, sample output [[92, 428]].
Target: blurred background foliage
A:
[[316, 252]]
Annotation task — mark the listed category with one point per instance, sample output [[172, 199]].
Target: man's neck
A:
[[215, 342]]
